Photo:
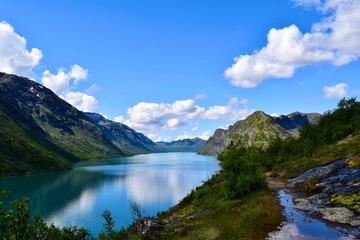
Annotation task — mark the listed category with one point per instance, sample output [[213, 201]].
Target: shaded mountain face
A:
[[185, 145], [126, 139], [258, 129], [39, 129]]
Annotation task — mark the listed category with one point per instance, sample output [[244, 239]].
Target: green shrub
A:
[[242, 171]]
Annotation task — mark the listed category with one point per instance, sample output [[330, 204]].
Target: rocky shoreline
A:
[[331, 193]]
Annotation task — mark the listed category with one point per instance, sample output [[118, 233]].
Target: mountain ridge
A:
[[123, 137], [257, 129], [183, 145]]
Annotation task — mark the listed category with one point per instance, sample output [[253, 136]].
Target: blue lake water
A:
[[78, 197]]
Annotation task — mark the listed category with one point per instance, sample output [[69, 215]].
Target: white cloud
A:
[[60, 82], [157, 138], [170, 116], [81, 101], [244, 101], [226, 113], [63, 82], [233, 101], [335, 40], [337, 91], [15, 58], [275, 114], [307, 3], [119, 119], [92, 89], [174, 123], [186, 135], [78, 73], [200, 96]]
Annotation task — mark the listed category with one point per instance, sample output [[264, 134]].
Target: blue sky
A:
[[181, 68]]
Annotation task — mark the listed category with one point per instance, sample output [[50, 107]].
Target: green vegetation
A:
[[234, 204], [337, 135], [351, 201], [242, 173], [23, 151], [208, 213], [16, 223]]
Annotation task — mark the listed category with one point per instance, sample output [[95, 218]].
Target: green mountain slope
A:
[[258, 130], [36, 124]]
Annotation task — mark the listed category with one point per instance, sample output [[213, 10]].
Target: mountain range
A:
[[258, 129], [184, 145], [40, 132]]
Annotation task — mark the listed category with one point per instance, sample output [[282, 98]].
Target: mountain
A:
[[40, 132], [126, 139], [257, 129], [185, 145]]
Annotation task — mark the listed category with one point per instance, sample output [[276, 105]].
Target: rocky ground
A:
[[331, 192]]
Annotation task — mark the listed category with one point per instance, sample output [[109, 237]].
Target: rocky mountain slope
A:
[[184, 145], [40, 132], [126, 139], [257, 129]]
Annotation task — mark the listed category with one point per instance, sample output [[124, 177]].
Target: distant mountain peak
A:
[[183, 145], [259, 128]]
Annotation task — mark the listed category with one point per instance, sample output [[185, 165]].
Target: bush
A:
[[242, 170]]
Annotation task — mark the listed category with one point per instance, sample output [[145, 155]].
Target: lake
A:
[[78, 197]]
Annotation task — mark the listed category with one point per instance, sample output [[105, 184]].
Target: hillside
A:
[[126, 139], [184, 145], [258, 130], [41, 132]]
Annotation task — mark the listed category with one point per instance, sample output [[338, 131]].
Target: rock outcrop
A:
[[332, 190]]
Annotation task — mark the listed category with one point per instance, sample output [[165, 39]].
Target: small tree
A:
[[137, 212]]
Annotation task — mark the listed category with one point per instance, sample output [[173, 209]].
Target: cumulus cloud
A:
[[337, 91], [187, 135], [81, 101], [225, 113], [78, 73], [334, 40], [60, 82], [15, 58], [119, 119], [170, 116], [64, 82], [157, 138]]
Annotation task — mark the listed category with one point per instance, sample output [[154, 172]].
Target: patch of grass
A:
[[250, 217], [352, 201], [353, 162], [207, 213]]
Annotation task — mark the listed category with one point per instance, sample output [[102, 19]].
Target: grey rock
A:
[[341, 215]]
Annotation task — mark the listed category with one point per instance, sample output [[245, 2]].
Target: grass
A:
[[207, 214], [346, 148]]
